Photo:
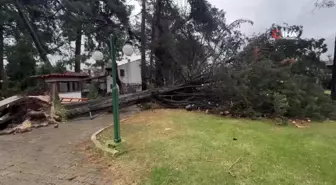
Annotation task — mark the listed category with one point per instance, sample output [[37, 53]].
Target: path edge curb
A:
[[99, 145]]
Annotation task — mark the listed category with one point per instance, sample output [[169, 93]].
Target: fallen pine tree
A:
[[77, 109], [260, 90]]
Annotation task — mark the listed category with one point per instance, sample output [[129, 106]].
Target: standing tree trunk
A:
[[159, 80], [33, 34], [333, 79], [2, 69], [78, 50], [143, 47], [151, 57]]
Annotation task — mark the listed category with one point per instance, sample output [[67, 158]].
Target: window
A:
[[75, 86], [63, 87], [122, 72], [68, 86]]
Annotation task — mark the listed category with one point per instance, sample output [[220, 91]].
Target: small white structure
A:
[[129, 74], [68, 85]]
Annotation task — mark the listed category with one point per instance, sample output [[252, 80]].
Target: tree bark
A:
[[159, 80], [151, 57], [78, 49], [77, 109], [333, 79], [2, 69], [143, 47], [33, 34]]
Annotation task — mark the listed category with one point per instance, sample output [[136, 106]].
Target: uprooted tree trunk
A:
[[20, 114], [171, 97], [77, 109]]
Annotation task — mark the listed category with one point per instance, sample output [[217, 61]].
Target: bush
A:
[[60, 111], [93, 92]]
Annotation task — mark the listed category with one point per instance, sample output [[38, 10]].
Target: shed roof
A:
[[95, 77], [62, 75]]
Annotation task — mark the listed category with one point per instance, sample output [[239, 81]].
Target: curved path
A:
[[48, 156]]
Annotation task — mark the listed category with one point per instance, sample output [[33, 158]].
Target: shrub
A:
[[60, 111], [93, 92]]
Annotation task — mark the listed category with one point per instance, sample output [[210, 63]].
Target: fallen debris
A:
[[300, 123], [26, 126], [232, 166], [20, 114]]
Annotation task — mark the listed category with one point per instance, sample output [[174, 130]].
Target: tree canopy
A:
[[178, 45]]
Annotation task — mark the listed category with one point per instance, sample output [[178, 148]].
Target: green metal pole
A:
[[115, 100]]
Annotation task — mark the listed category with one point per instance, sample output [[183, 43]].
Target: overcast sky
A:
[[317, 23]]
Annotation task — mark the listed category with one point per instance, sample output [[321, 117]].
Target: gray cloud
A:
[[317, 23]]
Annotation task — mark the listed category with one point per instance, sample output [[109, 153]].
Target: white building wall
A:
[[132, 74], [77, 94], [125, 67], [135, 69], [74, 94], [108, 83]]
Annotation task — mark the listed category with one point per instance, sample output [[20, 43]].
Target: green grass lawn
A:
[[176, 147]]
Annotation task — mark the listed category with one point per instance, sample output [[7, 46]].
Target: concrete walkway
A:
[[48, 156]]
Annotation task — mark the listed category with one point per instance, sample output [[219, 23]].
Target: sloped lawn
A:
[[177, 147]]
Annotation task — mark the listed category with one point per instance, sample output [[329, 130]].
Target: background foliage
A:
[[249, 76]]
